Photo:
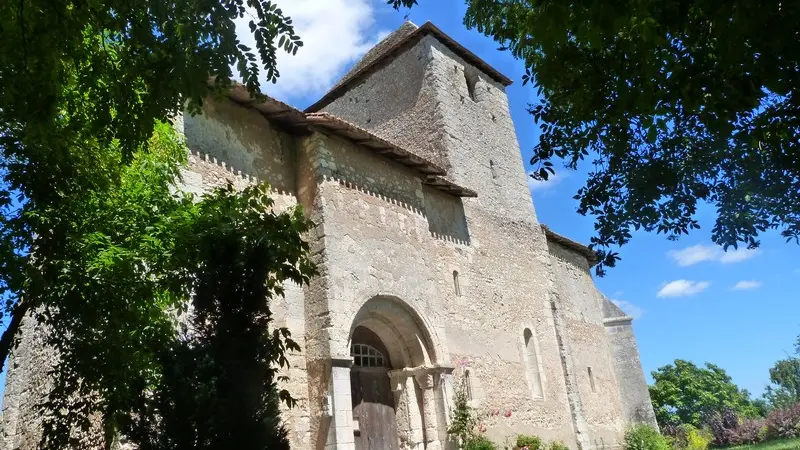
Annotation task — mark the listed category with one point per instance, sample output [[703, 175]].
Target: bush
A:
[[697, 439], [645, 437], [688, 437], [723, 427], [784, 423], [478, 443], [749, 431], [531, 442], [557, 445]]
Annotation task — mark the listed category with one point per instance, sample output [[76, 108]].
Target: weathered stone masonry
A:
[[430, 254]]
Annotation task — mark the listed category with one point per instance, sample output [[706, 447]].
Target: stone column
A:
[[426, 380], [444, 399], [409, 419], [342, 404]]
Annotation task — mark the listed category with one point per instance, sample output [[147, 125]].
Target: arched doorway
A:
[[374, 415], [395, 380]]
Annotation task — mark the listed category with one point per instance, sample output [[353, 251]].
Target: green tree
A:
[[674, 103], [684, 393], [784, 377], [219, 387], [784, 390], [91, 226], [84, 82]]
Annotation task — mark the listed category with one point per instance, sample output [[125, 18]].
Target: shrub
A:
[[531, 442], [464, 421], [478, 443], [784, 423], [557, 445], [723, 427], [688, 437], [749, 431], [645, 437], [697, 439]]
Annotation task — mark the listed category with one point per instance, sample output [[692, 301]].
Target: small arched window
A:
[[367, 356], [456, 283], [532, 364], [591, 379]]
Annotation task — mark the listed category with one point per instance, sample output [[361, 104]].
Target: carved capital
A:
[[398, 379], [425, 380]]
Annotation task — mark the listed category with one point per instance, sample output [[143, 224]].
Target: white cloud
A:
[[738, 255], [693, 255], [552, 181], [690, 256], [629, 308], [335, 33], [682, 288], [746, 284]]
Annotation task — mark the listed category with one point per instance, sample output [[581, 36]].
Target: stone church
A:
[[433, 266]]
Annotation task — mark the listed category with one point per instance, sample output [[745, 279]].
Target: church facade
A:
[[434, 269]]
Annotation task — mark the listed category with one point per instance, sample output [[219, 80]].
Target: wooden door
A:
[[373, 409]]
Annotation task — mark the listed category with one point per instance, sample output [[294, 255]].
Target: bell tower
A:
[[425, 92]]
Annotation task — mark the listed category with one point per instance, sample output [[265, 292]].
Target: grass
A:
[[792, 444]]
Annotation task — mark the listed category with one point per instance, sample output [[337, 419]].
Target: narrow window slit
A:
[[456, 283], [471, 78]]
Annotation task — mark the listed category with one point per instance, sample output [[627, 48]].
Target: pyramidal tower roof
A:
[[393, 45], [377, 52]]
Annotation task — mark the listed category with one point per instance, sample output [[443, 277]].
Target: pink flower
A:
[[495, 412], [508, 413]]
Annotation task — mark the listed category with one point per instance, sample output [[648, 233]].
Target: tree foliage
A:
[[684, 393], [143, 258], [219, 389], [93, 234], [84, 82], [671, 103], [110, 286], [784, 388]]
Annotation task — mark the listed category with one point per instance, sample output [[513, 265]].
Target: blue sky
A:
[[691, 300], [699, 314]]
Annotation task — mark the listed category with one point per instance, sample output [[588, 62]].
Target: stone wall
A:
[[589, 352], [635, 397], [27, 384]]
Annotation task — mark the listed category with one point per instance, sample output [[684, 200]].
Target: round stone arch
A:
[[405, 333]]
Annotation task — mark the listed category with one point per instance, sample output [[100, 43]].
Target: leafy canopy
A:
[[138, 255], [219, 377], [674, 103], [684, 393], [784, 388], [92, 228], [84, 82]]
